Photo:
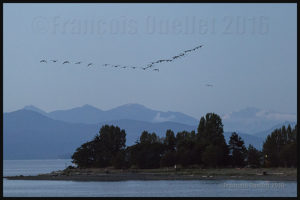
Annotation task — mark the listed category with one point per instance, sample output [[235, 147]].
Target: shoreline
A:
[[280, 174]]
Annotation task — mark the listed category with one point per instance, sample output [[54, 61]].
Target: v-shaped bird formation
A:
[[151, 65]]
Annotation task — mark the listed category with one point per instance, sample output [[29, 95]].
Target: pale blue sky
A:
[[256, 67]]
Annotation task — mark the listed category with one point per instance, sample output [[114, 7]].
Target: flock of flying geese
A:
[[150, 65]]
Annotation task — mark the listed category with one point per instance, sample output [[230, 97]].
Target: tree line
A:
[[205, 148], [280, 148]]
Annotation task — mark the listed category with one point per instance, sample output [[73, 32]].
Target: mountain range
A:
[[90, 115], [31, 133]]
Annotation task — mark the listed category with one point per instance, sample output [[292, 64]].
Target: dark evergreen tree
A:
[[280, 148], [170, 140], [254, 156], [168, 158], [100, 152], [120, 160], [213, 156], [147, 153], [185, 148], [237, 150], [108, 143], [288, 153], [271, 149], [84, 156], [210, 133]]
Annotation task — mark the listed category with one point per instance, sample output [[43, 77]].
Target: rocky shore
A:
[[280, 174]]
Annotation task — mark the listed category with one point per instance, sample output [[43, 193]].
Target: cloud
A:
[[260, 115], [159, 118], [226, 116], [279, 116]]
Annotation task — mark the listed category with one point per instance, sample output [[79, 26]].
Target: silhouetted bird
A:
[[78, 63], [66, 62], [90, 64], [43, 61], [156, 70], [148, 66], [54, 61]]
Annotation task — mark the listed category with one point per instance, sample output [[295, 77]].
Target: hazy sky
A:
[[249, 55]]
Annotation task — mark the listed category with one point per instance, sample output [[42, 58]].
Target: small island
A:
[[201, 155]]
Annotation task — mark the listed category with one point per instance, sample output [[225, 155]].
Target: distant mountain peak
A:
[[89, 106], [28, 107], [34, 108], [133, 105]]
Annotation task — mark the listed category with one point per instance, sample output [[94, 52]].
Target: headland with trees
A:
[[205, 148], [200, 154]]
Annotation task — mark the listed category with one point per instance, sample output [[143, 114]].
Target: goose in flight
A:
[[156, 70], [149, 65], [66, 62], [106, 65], [78, 63], [144, 68], [54, 61], [43, 61], [90, 64], [159, 61], [133, 67], [117, 66], [208, 85]]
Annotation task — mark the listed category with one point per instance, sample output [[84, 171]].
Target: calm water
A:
[[201, 188], [33, 167]]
